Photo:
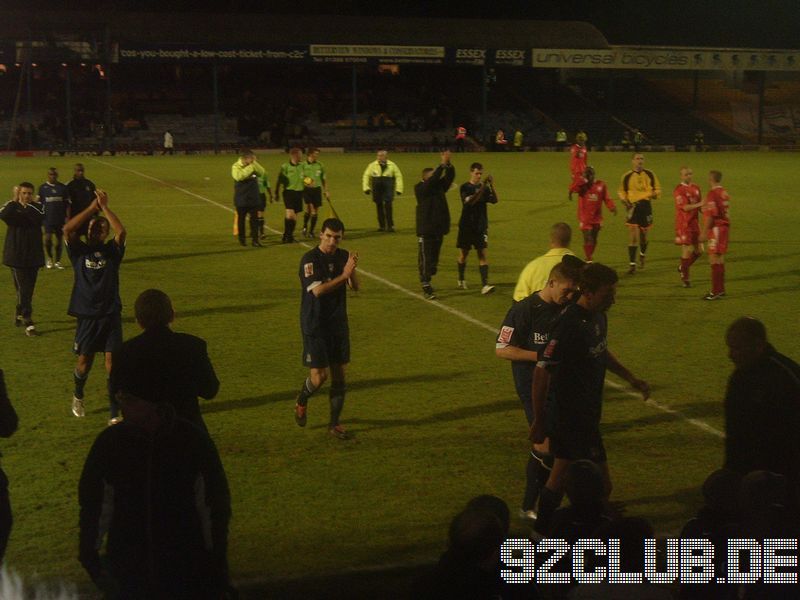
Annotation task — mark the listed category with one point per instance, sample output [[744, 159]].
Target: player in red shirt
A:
[[715, 229], [591, 197], [579, 157], [688, 202]]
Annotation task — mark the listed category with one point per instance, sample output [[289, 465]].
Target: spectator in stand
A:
[[163, 481], [561, 138], [8, 425], [178, 363], [518, 137], [584, 488], [500, 141], [169, 144], [461, 137], [762, 406]]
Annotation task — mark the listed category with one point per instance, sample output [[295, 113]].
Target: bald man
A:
[[762, 405]]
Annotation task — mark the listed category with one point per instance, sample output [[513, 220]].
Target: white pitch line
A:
[[453, 311]]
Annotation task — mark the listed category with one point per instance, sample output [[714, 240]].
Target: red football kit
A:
[[590, 204], [716, 208], [687, 225]]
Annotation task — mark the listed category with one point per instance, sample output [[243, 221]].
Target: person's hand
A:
[[15, 192], [537, 434], [489, 178], [642, 386], [446, 157], [101, 197], [366, 192], [350, 265]]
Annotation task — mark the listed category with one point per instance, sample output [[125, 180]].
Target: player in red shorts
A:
[[688, 202], [591, 197], [579, 157], [715, 229]]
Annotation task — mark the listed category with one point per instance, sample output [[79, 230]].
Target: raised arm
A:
[[75, 223], [336, 282], [119, 230]]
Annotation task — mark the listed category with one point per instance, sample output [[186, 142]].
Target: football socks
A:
[[80, 382], [306, 392], [113, 405], [484, 269], [313, 224], [632, 254], [549, 502], [336, 397], [462, 268]]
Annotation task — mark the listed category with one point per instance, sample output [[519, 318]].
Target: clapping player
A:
[[473, 227]]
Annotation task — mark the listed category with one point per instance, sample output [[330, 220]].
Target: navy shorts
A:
[[56, 228], [313, 196], [322, 351], [103, 334], [577, 445], [472, 239], [293, 200]]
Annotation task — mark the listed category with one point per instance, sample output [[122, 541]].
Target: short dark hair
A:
[[426, 170], [474, 536], [333, 224], [79, 166], [594, 276], [475, 165], [493, 505], [294, 149], [246, 152], [750, 327], [716, 175], [153, 308], [561, 233], [26, 184], [564, 272], [312, 150]]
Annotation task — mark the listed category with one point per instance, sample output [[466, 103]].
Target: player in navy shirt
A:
[[325, 272], [522, 338], [54, 195], [574, 365], [95, 297], [473, 226]]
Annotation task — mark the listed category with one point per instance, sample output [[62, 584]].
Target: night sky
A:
[[734, 23]]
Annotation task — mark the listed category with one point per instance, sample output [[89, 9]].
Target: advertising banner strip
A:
[[701, 59]]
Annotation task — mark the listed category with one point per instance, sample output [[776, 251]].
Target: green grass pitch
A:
[[434, 412]]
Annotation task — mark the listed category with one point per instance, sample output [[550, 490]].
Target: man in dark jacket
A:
[[762, 406], [177, 363], [8, 425], [23, 249], [154, 487], [246, 196], [433, 218]]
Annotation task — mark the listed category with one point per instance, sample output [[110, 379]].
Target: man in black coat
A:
[[154, 487], [762, 406], [433, 219], [23, 249], [176, 363], [8, 425]]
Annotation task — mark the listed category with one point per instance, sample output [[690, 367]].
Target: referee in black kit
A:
[[433, 219]]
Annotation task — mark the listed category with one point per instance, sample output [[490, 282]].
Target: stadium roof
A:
[[301, 29]]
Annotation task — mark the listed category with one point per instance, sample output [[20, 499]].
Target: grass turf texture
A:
[[434, 413]]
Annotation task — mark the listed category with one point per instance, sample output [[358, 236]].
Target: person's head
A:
[[98, 230], [25, 192], [560, 235], [631, 533], [761, 490], [152, 309], [638, 161], [495, 506], [747, 341], [598, 286], [714, 178], [686, 175], [312, 154], [475, 537], [52, 175], [295, 154], [588, 173], [247, 155], [475, 172], [721, 491], [330, 234], [381, 155], [584, 484], [580, 138], [561, 284], [78, 171], [426, 173]]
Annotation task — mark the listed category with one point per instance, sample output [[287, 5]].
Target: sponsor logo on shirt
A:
[[505, 334], [308, 269], [540, 338]]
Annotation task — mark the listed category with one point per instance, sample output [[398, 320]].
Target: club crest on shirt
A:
[[308, 269], [330, 268], [596, 329], [505, 334], [96, 261]]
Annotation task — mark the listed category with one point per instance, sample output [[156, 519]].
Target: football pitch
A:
[[433, 411]]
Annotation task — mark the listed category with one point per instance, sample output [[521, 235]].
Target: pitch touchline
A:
[[453, 311]]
